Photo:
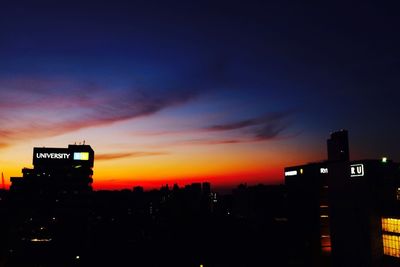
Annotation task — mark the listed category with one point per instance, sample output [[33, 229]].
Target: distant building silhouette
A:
[[206, 186], [338, 146]]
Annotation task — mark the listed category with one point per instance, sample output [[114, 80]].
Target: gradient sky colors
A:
[[226, 92]]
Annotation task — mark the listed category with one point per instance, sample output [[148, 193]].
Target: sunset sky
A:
[[177, 91]]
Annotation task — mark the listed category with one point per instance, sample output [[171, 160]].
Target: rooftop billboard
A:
[[60, 156]]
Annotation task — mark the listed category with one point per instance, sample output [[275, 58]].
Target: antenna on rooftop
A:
[[83, 141]]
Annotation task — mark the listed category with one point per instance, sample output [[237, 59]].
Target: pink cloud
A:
[[31, 108]]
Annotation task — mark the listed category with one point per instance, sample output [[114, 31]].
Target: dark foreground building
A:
[[342, 212], [48, 208], [333, 213], [55, 219]]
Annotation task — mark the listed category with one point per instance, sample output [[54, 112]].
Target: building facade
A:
[[49, 207], [345, 213], [67, 170]]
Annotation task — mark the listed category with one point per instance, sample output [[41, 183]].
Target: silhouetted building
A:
[[362, 196], [348, 208], [49, 207], [138, 190], [58, 169], [308, 213], [338, 146], [206, 188]]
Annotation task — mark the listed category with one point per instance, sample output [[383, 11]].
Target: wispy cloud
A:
[[40, 108], [204, 141], [32, 107], [269, 131], [270, 126], [232, 125], [269, 118], [266, 127], [136, 154]]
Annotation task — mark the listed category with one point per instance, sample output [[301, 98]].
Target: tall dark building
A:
[[308, 213], [338, 146], [49, 207]]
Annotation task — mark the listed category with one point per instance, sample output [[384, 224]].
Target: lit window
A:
[[81, 155], [291, 173], [326, 243], [391, 225], [40, 239], [391, 245], [323, 170], [390, 237]]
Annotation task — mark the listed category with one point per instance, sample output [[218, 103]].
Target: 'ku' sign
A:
[[356, 170]]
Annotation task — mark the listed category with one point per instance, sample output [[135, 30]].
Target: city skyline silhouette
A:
[[53, 217], [199, 133]]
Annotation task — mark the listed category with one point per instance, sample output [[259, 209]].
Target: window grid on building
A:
[[324, 228], [391, 225], [391, 245], [390, 237]]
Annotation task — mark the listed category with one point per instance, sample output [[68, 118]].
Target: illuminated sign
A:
[[59, 157], [323, 170], [52, 155], [356, 170], [291, 173], [81, 155]]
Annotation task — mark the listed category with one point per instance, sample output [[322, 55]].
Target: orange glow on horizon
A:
[[134, 162], [274, 176]]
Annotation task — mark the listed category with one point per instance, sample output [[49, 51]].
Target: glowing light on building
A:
[[40, 239], [81, 156], [391, 225], [356, 170], [323, 170], [391, 245], [291, 173], [390, 237]]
